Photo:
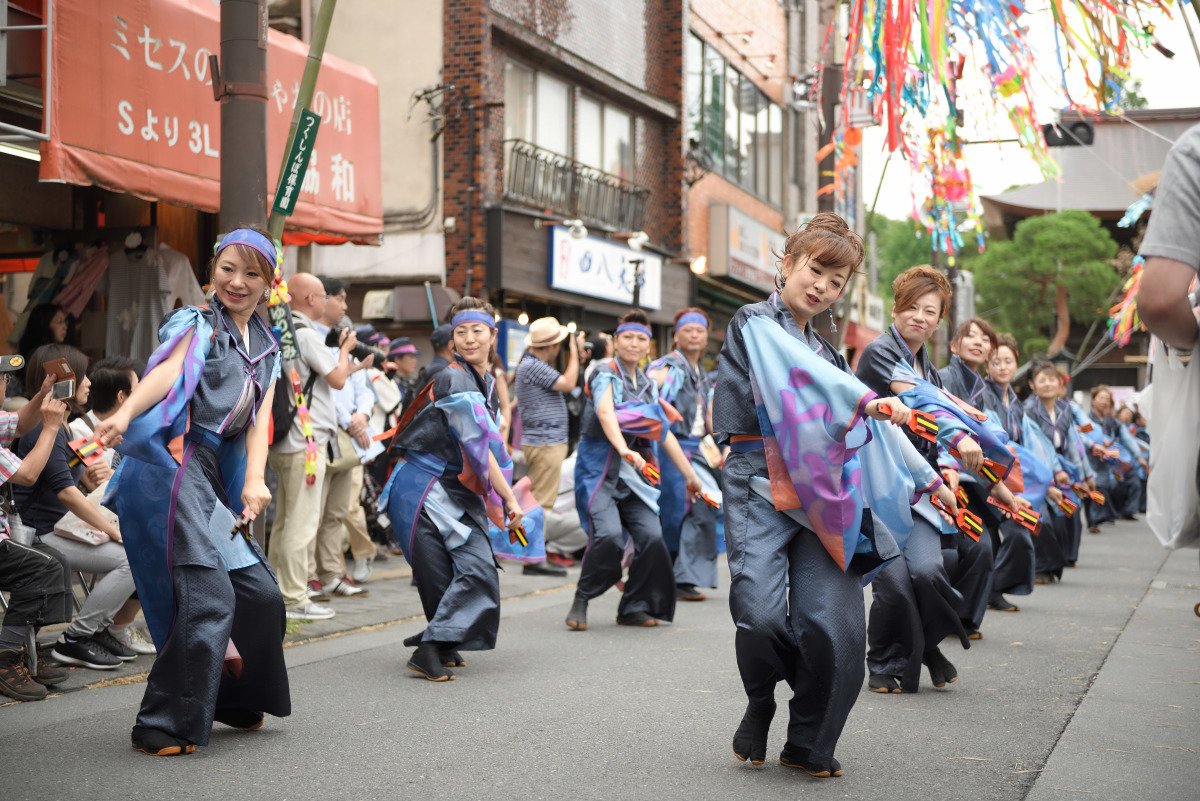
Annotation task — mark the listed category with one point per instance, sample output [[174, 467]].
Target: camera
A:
[[359, 352]]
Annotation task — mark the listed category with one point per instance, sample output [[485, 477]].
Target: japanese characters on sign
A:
[[292, 180], [134, 112]]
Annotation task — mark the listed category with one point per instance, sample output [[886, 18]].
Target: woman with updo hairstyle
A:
[[915, 602], [798, 519], [194, 437], [1121, 478], [621, 420], [452, 475]]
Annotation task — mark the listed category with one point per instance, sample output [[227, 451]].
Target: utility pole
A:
[[240, 86], [637, 281]]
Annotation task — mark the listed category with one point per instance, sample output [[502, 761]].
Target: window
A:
[[518, 102], [737, 124], [618, 143], [589, 137], [553, 106]]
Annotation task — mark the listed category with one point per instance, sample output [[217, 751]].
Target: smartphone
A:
[[63, 390]]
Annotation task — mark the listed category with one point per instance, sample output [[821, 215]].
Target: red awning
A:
[[132, 111]]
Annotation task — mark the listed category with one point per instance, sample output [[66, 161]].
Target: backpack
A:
[[283, 408], [283, 404]]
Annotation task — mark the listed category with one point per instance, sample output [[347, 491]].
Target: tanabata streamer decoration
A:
[[1123, 317], [907, 57]]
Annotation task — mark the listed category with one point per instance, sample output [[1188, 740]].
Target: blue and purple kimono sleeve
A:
[[811, 416], [651, 421], [477, 436], [533, 520], [955, 418]]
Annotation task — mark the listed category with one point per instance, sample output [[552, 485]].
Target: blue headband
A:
[[472, 316], [690, 318], [251, 239], [636, 327]]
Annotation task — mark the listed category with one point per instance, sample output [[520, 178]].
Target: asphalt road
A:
[[617, 713]]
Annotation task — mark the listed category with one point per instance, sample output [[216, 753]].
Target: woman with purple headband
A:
[[452, 478], [194, 436], [615, 480]]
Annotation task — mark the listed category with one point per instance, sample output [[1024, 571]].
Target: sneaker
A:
[[84, 652], [309, 611], [560, 560], [134, 638], [362, 570], [316, 592], [108, 642], [15, 681], [344, 589], [544, 569]]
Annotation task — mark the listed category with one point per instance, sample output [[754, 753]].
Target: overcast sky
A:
[[1166, 83]]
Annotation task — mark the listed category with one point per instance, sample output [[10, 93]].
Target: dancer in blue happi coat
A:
[[452, 478], [915, 605], [969, 563], [195, 445], [816, 497], [689, 528], [1014, 563], [1118, 475], [1058, 545], [615, 500]]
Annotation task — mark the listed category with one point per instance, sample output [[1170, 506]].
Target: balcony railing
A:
[[553, 182]]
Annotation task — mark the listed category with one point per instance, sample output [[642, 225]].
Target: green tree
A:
[[900, 244], [1054, 268]]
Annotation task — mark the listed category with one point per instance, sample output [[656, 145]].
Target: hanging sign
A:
[[292, 177]]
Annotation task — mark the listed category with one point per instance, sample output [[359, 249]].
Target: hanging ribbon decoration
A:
[[310, 439]]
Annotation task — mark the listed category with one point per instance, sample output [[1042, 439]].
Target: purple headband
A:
[[689, 318], [472, 316], [636, 327], [251, 239], [403, 349]]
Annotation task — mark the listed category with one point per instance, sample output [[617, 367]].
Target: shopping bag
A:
[[1173, 495]]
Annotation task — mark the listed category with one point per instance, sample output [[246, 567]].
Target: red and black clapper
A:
[[1026, 517], [86, 451], [649, 471], [1097, 497], [920, 423], [518, 535], [967, 521]]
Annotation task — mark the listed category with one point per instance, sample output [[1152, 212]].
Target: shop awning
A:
[[132, 111]]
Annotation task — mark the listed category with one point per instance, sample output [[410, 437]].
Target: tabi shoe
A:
[[1070, 564], [451, 658], [974, 634], [1093, 529], [750, 739], [793, 756], [242, 719], [1002, 604], [881, 683], [941, 671], [120, 650], [689, 592], [1043, 578], [543, 569], [427, 662], [577, 617], [639, 619], [159, 743], [341, 588], [15, 681]]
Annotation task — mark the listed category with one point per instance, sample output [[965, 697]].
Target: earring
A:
[[782, 283], [832, 324]]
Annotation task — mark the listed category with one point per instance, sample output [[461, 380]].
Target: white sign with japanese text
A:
[[603, 269]]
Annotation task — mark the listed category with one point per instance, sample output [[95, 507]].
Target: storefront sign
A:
[[133, 111], [602, 269], [742, 248], [287, 193]]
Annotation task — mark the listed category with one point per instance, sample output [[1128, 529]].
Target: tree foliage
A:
[[1018, 280]]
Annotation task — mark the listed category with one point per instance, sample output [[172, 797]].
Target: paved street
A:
[[1093, 688]]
